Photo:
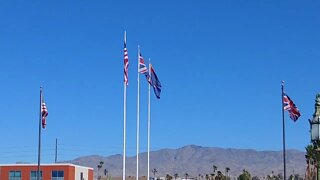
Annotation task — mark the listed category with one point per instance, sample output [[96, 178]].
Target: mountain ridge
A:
[[195, 160]]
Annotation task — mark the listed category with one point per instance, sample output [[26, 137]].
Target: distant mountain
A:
[[196, 160]]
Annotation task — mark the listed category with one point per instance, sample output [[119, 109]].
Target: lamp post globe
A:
[[315, 129]]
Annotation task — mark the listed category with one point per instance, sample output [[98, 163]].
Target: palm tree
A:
[[214, 168], [311, 158], [227, 171], [154, 171], [99, 167], [186, 175], [176, 176], [212, 175], [219, 176], [207, 176]]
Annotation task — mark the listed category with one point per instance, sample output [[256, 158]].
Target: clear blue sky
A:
[[220, 64]]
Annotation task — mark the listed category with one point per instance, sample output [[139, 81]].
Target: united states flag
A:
[[44, 114], [289, 106], [126, 64]]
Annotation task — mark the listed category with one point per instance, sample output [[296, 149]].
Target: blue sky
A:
[[220, 64]]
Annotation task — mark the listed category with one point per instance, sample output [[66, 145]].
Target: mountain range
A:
[[197, 160]]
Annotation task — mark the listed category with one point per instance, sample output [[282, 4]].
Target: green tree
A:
[[295, 177], [245, 175]]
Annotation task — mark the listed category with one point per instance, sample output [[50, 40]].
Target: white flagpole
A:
[[39, 143], [149, 123], [138, 115], [124, 122]]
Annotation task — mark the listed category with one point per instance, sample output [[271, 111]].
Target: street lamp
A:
[[315, 132], [315, 128]]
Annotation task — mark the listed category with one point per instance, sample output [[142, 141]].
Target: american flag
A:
[[126, 64], [289, 106], [44, 114]]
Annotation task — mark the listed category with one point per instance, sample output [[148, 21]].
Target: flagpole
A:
[[138, 115], [124, 122], [149, 111], [39, 142], [283, 131], [56, 153]]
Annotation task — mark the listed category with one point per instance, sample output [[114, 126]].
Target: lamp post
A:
[[315, 132]]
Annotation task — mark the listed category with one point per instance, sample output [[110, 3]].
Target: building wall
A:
[[90, 174], [69, 171], [79, 170]]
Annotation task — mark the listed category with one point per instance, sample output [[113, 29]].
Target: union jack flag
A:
[[143, 68], [126, 64], [289, 106]]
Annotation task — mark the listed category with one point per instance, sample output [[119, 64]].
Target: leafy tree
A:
[[295, 177], [245, 175]]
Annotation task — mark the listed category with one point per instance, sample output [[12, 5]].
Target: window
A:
[[15, 175], [81, 176], [34, 175], [57, 175]]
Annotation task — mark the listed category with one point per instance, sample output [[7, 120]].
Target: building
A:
[[47, 172]]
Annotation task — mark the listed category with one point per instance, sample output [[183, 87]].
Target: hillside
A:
[[197, 160]]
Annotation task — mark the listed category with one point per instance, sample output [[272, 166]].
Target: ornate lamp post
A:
[[315, 132]]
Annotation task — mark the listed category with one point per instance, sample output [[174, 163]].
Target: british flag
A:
[[142, 66], [289, 106]]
